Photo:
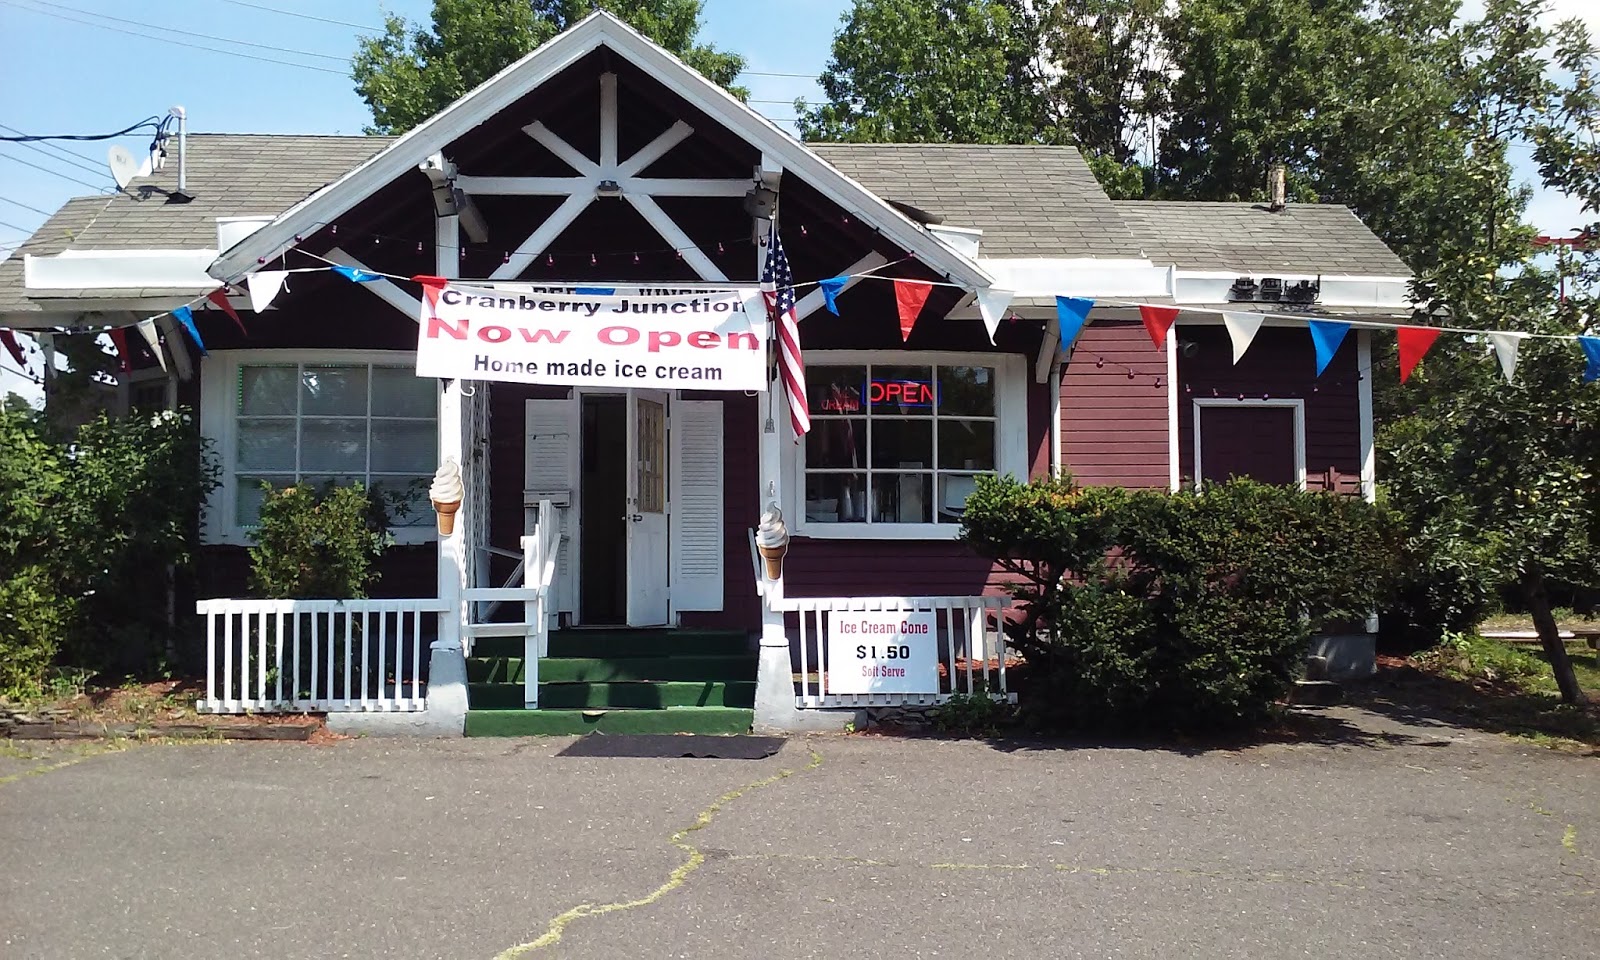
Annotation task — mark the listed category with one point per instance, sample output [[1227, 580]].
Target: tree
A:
[[907, 71], [1515, 467], [409, 73]]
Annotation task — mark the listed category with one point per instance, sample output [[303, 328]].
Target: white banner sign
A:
[[596, 337], [883, 652]]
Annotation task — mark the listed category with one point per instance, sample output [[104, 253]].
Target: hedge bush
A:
[[317, 544], [1184, 611]]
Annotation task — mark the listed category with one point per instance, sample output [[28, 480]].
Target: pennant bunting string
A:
[[1072, 315], [1242, 330], [1414, 344], [1157, 321], [992, 305], [831, 288], [1326, 335], [909, 296], [185, 316]]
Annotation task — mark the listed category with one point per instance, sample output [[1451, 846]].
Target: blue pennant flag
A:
[[831, 288], [594, 291], [1326, 335], [354, 275], [1072, 313], [186, 317], [1591, 349]]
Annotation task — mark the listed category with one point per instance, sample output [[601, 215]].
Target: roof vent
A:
[[916, 213], [1277, 188]]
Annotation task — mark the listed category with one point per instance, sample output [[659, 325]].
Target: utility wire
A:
[[74, 156], [304, 16], [55, 173], [23, 374], [180, 43], [187, 33], [24, 206], [13, 226], [32, 138]]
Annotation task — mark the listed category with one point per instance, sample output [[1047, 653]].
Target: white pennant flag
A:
[[147, 329], [1505, 348], [992, 304], [1242, 328], [264, 285]]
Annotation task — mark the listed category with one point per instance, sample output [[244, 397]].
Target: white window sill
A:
[[878, 531]]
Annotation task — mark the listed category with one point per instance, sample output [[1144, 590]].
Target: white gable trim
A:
[[514, 82]]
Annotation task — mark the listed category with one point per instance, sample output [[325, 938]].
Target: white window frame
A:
[[1297, 405], [1011, 438], [219, 375]]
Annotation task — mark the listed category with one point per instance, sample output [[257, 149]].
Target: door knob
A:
[[635, 517]]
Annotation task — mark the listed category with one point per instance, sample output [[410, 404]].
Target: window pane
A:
[[403, 446], [966, 444], [334, 391], [902, 498], [834, 390], [901, 391], [902, 443], [404, 499], [266, 445], [836, 497], [333, 446], [399, 392], [266, 391], [966, 391], [835, 444], [953, 492], [247, 505]]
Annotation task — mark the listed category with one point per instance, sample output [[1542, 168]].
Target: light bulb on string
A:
[[505, 257], [802, 229], [1100, 361], [720, 251], [419, 246], [593, 260], [549, 260], [1131, 375], [636, 258], [1158, 383]]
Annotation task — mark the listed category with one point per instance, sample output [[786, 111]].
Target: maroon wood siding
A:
[[1280, 364], [1114, 429]]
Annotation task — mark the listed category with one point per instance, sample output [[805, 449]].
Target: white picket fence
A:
[[333, 656], [972, 646]]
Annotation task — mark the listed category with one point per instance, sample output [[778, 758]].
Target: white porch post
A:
[[447, 666]]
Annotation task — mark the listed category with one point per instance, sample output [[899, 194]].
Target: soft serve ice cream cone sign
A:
[[447, 493], [883, 651]]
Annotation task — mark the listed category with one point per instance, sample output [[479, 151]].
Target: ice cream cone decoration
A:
[[447, 494], [772, 541]]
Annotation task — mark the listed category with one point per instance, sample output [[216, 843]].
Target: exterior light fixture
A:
[[608, 188]]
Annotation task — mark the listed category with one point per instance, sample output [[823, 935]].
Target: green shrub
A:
[[314, 544], [1467, 656], [93, 526], [972, 715], [1182, 611]]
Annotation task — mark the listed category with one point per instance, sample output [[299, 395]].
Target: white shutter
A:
[[550, 474], [697, 502]]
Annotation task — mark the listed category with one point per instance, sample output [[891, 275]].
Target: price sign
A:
[[883, 651]]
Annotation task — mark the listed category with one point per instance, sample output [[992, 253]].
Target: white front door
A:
[[648, 568]]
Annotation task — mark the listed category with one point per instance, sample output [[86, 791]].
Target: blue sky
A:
[[71, 68]]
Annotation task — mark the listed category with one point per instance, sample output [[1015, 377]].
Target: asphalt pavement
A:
[[1380, 839]]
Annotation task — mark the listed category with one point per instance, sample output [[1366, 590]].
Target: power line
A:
[[13, 226], [188, 33], [180, 43], [56, 173], [39, 148], [23, 374], [32, 138], [24, 205], [765, 73], [304, 16]]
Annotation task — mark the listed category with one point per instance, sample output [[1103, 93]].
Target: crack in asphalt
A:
[[680, 839]]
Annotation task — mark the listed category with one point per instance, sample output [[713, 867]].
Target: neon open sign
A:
[[900, 393]]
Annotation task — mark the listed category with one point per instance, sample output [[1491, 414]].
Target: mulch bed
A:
[[155, 710]]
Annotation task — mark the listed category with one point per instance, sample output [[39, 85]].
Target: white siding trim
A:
[[1369, 459], [1174, 471]]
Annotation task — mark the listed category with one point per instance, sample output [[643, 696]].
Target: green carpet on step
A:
[[558, 696], [536, 723], [623, 669]]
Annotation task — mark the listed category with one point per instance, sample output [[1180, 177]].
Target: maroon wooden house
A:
[[602, 567]]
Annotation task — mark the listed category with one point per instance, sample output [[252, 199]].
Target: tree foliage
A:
[[411, 72]]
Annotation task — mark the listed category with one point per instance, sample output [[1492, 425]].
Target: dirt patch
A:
[[157, 708]]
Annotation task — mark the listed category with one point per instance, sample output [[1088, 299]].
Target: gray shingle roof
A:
[[229, 175], [1029, 200], [1304, 238]]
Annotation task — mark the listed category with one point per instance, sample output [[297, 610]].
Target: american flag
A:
[[777, 283]]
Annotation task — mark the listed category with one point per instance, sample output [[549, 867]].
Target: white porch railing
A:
[[972, 645], [333, 656], [538, 569]]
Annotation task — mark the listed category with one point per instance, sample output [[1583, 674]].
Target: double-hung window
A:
[[337, 422], [899, 446]]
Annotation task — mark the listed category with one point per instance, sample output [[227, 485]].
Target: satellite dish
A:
[[124, 168]]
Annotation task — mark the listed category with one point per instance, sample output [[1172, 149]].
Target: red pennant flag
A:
[[14, 348], [119, 339], [1414, 343], [909, 296], [1157, 321], [431, 288], [219, 297]]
